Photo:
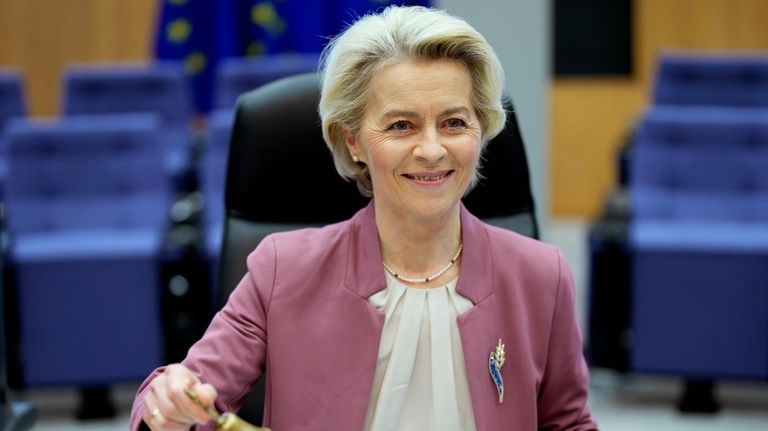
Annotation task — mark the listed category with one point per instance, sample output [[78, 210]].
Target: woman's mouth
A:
[[429, 179]]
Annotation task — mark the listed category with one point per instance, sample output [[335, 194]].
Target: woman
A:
[[412, 315]]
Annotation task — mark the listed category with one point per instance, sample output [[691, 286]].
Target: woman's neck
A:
[[417, 248]]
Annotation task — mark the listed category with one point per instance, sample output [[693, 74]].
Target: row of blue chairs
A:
[[693, 79], [678, 258], [159, 87], [86, 204], [90, 212], [699, 241]]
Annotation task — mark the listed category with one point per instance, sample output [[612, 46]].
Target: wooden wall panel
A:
[[42, 36], [590, 117]]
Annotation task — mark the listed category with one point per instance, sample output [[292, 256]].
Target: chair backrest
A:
[[701, 164], [86, 172], [276, 148], [11, 95], [281, 175], [11, 105], [277, 135], [159, 87], [236, 76], [714, 80], [503, 196]]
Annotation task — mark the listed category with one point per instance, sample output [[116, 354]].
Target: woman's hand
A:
[[168, 408]]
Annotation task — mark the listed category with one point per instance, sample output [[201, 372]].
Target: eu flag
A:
[[202, 32]]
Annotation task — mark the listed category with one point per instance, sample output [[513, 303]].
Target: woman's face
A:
[[420, 137]]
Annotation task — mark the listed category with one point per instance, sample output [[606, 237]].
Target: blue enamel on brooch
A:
[[495, 361]]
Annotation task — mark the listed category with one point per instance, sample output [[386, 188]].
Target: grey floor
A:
[[620, 403]]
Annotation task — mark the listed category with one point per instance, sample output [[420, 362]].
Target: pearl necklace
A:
[[428, 278]]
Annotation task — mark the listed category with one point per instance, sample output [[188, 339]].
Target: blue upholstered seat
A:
[[160, 87], [710, 79], [11, 95], [236, 76], [87, 204], [694, 221], [11, 105], [700, 242]]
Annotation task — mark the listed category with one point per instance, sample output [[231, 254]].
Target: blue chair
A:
[[683, 79], [14, 415], [712, 79], [11, 95], [11, 105], [87, 207], [160, 87], [236, 76], [699, 242]]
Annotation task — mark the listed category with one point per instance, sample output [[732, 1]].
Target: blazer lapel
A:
[[479, 334], [476, 271], [479, 327], [364, 276]]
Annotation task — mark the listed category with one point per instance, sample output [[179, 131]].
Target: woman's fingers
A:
[[154, 418], [168, 406], [179, 380], [206, 392]]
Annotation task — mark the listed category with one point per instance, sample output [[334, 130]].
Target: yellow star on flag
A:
[[256, 49], [265, 16], [195, 63], [178, 30]]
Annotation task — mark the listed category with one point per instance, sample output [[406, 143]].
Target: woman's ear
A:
[[351, 141]]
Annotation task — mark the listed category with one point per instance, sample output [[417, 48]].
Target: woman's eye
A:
[[399, 125], [456, 123]]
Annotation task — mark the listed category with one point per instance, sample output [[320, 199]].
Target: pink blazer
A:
[[301, 316]]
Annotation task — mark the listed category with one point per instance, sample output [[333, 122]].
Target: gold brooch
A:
[[495, 362]]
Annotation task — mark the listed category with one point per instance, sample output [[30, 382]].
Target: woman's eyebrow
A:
[[410, 114], [399, 114], [457, 110]]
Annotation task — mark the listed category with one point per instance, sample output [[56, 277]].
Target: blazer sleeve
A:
[[232, 352], [562, 403]]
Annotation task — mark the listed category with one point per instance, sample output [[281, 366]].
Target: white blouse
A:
[[420, 381]]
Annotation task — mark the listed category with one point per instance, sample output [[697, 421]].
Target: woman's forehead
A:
[[411, 87]]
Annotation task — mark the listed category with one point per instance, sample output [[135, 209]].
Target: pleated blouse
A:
[[420, 381]]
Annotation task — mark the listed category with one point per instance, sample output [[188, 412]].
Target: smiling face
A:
[[420, 137]]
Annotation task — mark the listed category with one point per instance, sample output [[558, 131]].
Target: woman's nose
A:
[[429, 148]]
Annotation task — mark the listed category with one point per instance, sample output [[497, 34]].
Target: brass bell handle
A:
[[226, 421]]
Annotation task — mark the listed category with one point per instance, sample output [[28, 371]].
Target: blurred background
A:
[[645, 125]]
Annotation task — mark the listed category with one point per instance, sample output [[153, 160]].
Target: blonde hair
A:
[[399, 34]]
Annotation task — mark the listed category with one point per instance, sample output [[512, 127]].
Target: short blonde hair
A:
[[399, 34]]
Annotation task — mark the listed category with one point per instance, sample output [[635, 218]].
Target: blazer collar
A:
[[476, 275], [364, 274]]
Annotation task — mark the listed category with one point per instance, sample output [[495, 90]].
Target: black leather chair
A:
[[280, 176]]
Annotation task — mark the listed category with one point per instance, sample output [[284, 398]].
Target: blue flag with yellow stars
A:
[[202, 32]]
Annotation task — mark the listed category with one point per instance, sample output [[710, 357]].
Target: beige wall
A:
[[42, 36], [590, 117]]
